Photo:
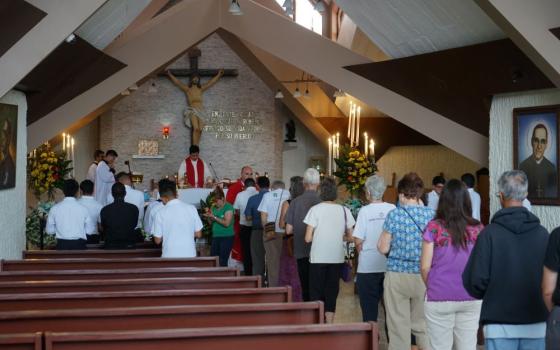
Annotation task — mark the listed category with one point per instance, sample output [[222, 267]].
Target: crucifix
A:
[[195, 113]]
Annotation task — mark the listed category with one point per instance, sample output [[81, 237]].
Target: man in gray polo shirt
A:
[[294, 225]]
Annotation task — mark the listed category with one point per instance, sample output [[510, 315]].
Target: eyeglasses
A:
[[539, 141]]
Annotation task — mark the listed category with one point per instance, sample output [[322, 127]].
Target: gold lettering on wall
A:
[[234, 125]]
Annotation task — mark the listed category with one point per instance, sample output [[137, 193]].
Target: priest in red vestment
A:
[[193, 169], [233, 190]]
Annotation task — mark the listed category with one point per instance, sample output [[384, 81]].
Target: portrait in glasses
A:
[[537, 152]]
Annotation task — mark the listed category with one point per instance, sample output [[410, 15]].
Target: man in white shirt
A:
[[133, 196], [93, 207], [245, 225], [105, 177], [150, 215], [69, 221], [469, 180], [438, 182], [97, 157], [270, 212], [176, 224], [193, 170]]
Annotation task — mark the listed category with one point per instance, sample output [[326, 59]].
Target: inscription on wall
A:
[[235, 125]]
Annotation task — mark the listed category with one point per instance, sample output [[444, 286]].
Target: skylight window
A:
[[306, 16]]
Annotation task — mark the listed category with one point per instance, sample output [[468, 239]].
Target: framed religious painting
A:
[[8, 145], [536, 151]]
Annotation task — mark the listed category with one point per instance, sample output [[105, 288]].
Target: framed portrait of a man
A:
[[536, 151]]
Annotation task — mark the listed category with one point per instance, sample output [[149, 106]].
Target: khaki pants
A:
[[273, 249], [404, 301], [452, 324]]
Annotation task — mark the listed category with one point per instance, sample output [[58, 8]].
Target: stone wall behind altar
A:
[[143, 114]]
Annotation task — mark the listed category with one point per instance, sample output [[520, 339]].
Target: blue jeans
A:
[[514, 343], [221, 247]]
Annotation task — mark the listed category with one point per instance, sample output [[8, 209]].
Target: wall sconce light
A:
[[165, 132]]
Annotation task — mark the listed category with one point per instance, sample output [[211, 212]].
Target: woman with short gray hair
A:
[[328, 225], [371, 264]]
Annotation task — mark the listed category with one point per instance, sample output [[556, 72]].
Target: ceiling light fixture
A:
[[279, 94], [339, 93], [319, 6], [289, 7], [306, 94], [133, 87], [71, 38], [235, 9], [297, 94], [125, 93]]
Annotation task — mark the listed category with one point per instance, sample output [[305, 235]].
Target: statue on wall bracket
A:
[[195, 114]]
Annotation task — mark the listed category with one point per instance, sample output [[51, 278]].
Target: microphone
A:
[[214, 172]]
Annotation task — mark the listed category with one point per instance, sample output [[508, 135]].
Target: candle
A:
[[365, 144], [337, 144], [350, 119], [352, 124], [330, 157], [63, 141], [358, 127], [372, 148], [73, 165]]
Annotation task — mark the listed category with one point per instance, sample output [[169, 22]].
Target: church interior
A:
[[435, 87]]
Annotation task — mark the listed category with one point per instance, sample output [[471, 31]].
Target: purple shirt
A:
[[448, 262]]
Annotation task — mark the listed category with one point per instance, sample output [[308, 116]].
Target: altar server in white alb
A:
[[193, 170], [70, 221], [105, 177], [176, 224], [92, 170]]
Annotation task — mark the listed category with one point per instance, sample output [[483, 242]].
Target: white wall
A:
[[426, 161], [87, 141], [501, 143], [12, 201], [297, 155]]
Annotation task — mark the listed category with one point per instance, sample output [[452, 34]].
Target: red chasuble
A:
[[199, 171], [233, 191]]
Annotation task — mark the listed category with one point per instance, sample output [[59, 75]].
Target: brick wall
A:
[[142, 115]]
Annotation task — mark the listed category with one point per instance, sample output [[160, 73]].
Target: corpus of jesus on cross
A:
[[195, 113]]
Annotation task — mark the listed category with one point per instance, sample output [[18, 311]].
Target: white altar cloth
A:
[[194, 195]]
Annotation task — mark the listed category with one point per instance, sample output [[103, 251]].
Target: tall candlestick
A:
[[350, 120], [337, 144], [372, 148], [365, 144], [64, 141], [73, 165], [358, 127], [329, 169], [352, 124]]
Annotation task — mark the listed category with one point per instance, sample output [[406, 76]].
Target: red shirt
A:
[[234, 190]]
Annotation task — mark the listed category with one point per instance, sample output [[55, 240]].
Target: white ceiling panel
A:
[[109, 21], [404, 28]]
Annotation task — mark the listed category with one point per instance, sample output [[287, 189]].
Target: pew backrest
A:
[[21, 341], [88, 300], [63, 275], [128, 263], [161, 317], [355, 336], [91, 253], [144, 284]]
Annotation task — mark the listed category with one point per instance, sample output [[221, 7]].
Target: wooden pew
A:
[[144, 284], [22, 341], [90, 264], [139, 245], [355, 336], [89, 300], [93, 253], [161, 317], [65, 275]]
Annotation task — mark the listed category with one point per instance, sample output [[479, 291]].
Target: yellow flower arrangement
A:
[[46, 170], [353, 168]]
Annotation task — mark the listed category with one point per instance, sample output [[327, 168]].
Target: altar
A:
[[194, 195]]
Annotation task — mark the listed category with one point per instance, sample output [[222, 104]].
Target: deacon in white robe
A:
[[97, 157], [104, 177]]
